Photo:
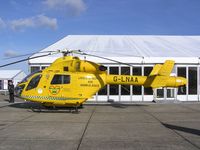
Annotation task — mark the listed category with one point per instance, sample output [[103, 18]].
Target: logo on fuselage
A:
[[54, 90]]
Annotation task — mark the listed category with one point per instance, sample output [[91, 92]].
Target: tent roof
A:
[[129, 45], [8, 74]]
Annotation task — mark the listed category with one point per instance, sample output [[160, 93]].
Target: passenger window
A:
[[34, 82], [61, 79]]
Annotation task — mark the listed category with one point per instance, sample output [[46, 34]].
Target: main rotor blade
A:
[[83, 53], [123, 54], [65, 52], [15, 62], [28, 54]]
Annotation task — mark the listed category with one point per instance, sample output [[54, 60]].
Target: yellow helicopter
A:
[[70, 81]]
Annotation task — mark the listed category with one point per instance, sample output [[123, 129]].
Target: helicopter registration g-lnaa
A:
[[69, 81]]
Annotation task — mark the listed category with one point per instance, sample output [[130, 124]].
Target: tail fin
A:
[[159, 75], [163, 70], [167, 68]]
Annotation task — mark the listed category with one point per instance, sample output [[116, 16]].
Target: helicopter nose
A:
[[19, 89]]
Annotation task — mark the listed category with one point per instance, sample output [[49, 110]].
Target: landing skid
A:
[[49, 109]]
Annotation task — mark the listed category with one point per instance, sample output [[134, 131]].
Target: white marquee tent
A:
[[142, 51], [139, 47], [6, 75]]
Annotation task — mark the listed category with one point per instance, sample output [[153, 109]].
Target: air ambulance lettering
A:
[[125, 79], [90, 85], [87, 78]]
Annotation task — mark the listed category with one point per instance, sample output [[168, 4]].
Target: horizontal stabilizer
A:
[[156, 81]]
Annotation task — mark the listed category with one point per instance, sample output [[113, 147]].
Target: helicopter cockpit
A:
[[28, 76], [32, 84]]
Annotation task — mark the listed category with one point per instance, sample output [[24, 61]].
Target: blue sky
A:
[[30, 25]]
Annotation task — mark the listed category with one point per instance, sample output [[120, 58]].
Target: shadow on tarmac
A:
[[183, 129], [6, 100], [116, 104], [39, 108], [25, 105], [123, 106]]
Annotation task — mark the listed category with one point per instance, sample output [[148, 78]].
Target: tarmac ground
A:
[[140, 126]]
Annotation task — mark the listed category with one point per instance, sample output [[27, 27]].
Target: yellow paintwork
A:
[[155, 70], [86, 78]]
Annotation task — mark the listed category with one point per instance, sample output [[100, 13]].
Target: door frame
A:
[[165, 96]]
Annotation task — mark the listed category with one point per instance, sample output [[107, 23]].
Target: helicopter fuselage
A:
[[70, 81], [63, 88]]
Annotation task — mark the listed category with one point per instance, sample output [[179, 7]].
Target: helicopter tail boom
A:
[[159, 77]]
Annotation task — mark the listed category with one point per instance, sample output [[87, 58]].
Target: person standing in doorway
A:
[[11, 92]]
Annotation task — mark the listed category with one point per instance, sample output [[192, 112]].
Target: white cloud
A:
[[10, 53], [72, 6], [46, 21], [22, 23], [2, 24], [33, 22]]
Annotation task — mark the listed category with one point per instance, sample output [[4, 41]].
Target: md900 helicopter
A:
[[70, 81]]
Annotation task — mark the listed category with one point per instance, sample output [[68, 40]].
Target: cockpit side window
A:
[[34, 82], [60, 79], [28, 76]]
